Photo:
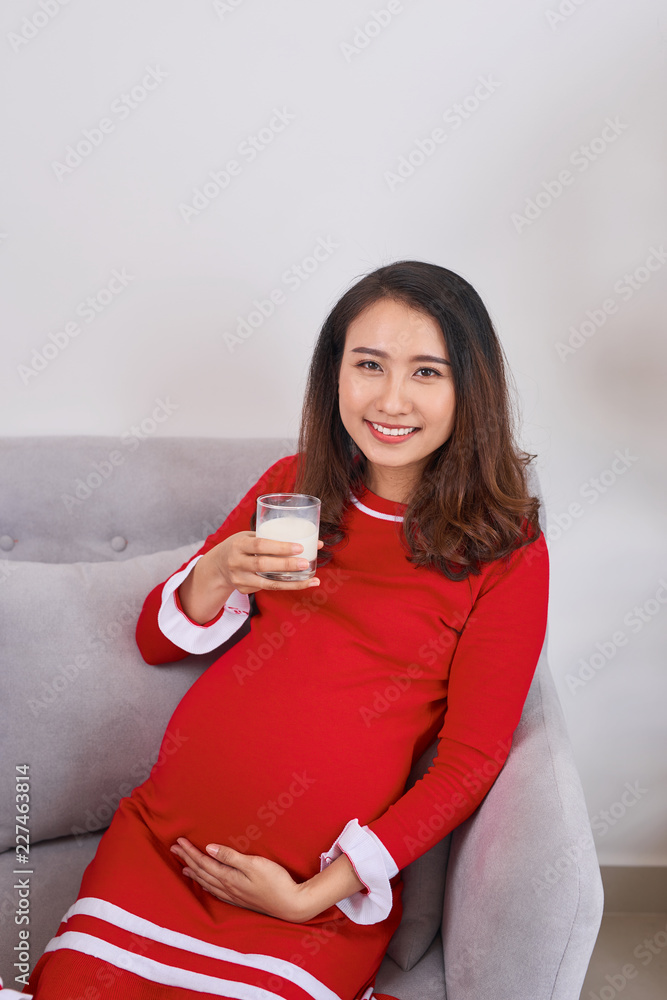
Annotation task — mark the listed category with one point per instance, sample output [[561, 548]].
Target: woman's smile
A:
[[390, 433]]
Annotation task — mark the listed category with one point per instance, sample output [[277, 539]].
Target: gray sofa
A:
[[507, 907]]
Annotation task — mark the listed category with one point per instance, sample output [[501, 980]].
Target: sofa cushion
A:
[[425, 982], [58, 866], [423, 890], [82, 708]]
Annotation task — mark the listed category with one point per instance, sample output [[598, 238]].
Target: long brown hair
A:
[[472, 503]]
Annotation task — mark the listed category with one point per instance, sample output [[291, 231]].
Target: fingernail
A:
[[314, 582], [212, 849], [303, 564]]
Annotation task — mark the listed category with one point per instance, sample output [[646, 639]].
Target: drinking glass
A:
[[290, 517]]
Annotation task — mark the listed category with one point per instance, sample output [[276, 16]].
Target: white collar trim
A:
[[375, 513]]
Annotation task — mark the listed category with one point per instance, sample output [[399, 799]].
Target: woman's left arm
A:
[[490, 674], [260, 884]]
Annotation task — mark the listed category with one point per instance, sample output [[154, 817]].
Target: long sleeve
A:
[[164, 633], [490, 675], [193, 636], [373, 865]]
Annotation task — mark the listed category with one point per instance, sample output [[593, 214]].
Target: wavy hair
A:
[[472, 504]]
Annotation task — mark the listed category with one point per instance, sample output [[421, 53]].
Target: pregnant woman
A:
[[262, 859]]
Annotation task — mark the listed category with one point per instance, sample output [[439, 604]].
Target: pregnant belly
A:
[[273, 766]]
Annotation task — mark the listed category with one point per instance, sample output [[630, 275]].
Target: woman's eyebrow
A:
[[417, 357]]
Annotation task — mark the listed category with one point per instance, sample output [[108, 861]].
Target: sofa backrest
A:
[[92, 499]]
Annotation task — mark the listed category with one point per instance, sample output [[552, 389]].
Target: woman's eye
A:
[[373, 366]]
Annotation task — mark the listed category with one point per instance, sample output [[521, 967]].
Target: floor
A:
[[629, 959]]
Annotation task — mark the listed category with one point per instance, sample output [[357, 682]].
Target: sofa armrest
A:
[[523, 898]]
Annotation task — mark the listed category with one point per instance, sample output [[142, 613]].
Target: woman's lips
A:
[[389, 438]]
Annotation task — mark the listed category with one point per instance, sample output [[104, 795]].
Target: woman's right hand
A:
[[240, 557], [233, 564]]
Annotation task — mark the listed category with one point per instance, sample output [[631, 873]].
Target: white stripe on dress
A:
[[375, 513], [100, 908], [157, 972]]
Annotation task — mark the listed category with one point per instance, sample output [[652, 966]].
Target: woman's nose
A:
[[394, 397]]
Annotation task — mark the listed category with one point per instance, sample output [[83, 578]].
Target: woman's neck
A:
[[391, 484]]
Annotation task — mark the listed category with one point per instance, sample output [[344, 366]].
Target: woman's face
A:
[[395, 389]]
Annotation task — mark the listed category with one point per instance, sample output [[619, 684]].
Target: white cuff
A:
[[373, 865], [190, 636]]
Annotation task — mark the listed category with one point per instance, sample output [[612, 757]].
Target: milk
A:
[[292, 529]]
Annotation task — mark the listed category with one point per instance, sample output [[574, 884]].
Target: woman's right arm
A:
[[204, 592], [203, 603]]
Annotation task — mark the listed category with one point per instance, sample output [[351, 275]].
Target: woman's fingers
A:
[[268, 555], [265, 584], [272, 546], [204, 869], [244, 555], [270, 564], [222, 879], [250, 881]]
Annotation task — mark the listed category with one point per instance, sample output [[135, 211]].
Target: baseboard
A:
[[634, 889]]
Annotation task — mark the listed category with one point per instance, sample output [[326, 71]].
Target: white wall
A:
[[219, 72]]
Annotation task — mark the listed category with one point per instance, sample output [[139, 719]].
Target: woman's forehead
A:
[[395, 327]]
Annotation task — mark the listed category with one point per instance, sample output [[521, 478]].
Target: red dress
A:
[[312, 719]]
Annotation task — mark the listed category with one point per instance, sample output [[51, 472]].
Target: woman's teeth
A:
[[393, 431]]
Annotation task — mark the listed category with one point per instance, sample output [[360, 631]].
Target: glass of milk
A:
[[290, 517]]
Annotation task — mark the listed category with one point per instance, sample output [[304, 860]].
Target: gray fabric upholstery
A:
[[148, 500], [425, 981], [423, 889], [523, 897], [503, 935], [58, 866], [84, 688]]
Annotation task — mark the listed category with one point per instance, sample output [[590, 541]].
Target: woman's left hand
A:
[[247, 880]]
